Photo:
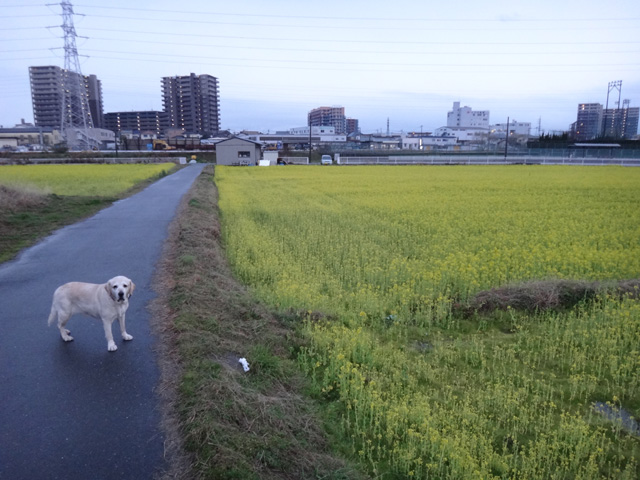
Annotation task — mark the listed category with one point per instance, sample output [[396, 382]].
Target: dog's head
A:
[[120, 288]]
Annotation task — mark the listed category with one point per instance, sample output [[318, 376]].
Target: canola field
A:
[[80, 180], [417, 390]]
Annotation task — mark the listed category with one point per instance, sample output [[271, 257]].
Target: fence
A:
[[488, 160]]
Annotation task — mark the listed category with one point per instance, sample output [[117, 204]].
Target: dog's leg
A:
[[63, 318], [123, 329], [111, 345]]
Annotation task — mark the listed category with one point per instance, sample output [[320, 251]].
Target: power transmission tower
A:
[[76, 121]]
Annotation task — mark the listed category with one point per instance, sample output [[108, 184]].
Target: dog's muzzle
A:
[[121, 297]]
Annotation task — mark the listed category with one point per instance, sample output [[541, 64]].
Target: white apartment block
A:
[[466, 117]]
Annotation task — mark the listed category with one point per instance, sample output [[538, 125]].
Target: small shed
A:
[[238, 151]]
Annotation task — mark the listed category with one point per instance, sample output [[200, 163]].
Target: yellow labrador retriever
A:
[[106, 302]]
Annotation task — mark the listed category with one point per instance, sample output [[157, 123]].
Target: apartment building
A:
[[588, 122], [328, 116], [620, 122], [192, 103], [352, 125], [47, 91], [149, 121]]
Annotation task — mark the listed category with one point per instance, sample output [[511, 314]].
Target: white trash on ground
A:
[[244, 363]]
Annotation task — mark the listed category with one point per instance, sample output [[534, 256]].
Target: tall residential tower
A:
[[192, 103], [47, 92]]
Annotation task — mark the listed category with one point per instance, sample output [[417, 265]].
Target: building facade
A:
[[192, 103], [149, 121], [499, 130], [328, 116], [238, 151], [620, 123], [464, 134], [466, 117], [48, 90], [23, 136], [588, 121], [94, 90], [352, 125], [319, 130]]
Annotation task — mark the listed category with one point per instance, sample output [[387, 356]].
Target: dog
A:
[[106, 302]]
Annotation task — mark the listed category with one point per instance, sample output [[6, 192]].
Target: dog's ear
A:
[[107, 287], [132, 287]]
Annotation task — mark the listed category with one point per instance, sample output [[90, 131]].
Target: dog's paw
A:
[[64, 333], [126, 336], [112, 347]]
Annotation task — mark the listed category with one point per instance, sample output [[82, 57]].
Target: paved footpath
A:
[[74, 410]]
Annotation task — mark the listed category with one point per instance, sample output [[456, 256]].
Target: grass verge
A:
[[27, 214], [226, 423]]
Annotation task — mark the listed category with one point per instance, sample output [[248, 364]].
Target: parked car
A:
[[326, 160]]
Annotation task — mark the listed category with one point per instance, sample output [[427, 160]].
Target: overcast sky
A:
[[406, 61]]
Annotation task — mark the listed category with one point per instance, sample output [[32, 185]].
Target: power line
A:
[[365, 18], [348, 62], [367, 42], [335, 27], [376, 52]]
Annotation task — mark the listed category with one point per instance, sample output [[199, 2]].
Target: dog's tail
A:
[[52, 316]]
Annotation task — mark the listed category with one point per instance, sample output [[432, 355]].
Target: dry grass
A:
[[547, 295], [228, 423], [15, 198]]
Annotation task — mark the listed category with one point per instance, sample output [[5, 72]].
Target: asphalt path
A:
[[75, 410]]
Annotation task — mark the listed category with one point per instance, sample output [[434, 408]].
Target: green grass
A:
[[37, 200], [81, 180]]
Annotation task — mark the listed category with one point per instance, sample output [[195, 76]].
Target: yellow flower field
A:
[[419, 391], [83, 180]]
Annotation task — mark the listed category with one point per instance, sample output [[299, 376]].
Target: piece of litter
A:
[[244, 363]]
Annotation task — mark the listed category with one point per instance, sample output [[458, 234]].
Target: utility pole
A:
[[309, 137], [76, 120], [506, 141]]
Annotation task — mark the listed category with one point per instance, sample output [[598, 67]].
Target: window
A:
[[244, 154]]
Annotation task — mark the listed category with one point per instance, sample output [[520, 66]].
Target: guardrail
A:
[[488, 160]]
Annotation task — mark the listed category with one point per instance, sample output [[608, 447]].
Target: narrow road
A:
[[74, 410]]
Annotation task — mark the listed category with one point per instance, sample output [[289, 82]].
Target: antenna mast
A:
[[76, 117]]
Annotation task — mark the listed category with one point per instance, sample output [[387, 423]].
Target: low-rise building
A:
[[464, 134], [238, 151], [25, 136], [428, 142], [499, 130]]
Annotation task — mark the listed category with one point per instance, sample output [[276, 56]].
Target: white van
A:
[[326, 160]]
